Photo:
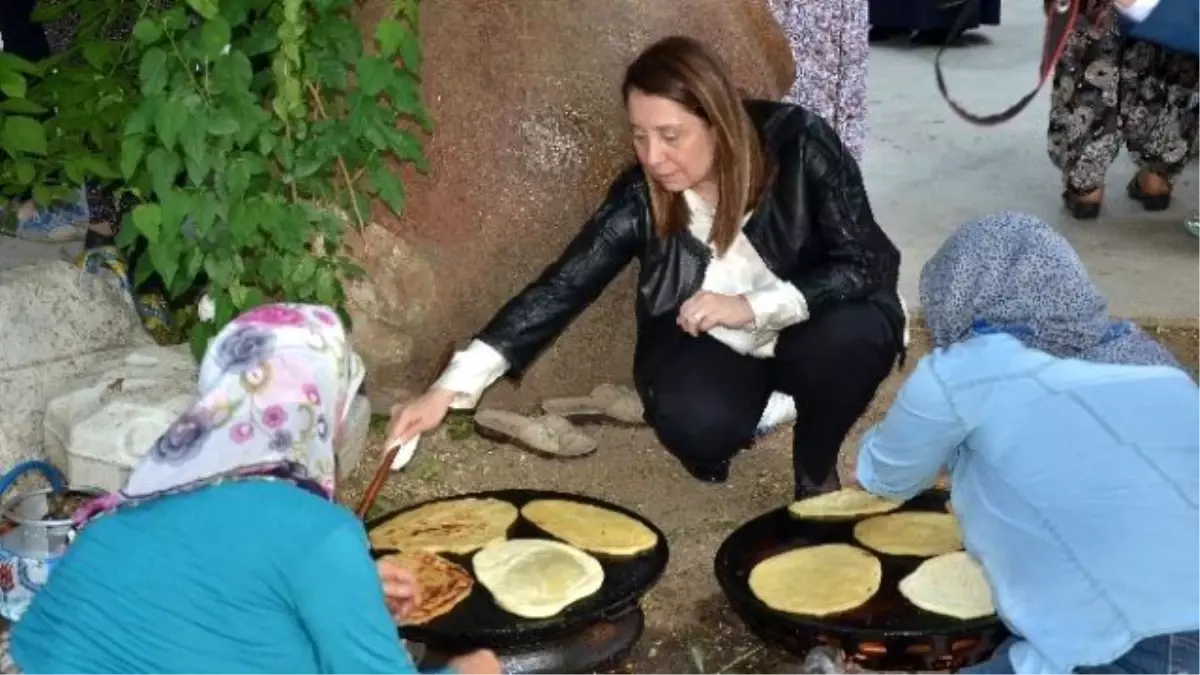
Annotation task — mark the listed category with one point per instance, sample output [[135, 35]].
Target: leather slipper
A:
[[547, 435], [608, 403]]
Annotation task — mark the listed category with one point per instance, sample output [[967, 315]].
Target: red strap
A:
[[1060, 20]]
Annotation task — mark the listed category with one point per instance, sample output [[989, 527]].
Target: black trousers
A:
[[704, 400], [21, 35]]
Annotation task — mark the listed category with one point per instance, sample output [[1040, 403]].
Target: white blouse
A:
[[776, 304]]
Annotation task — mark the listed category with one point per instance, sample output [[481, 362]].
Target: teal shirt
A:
[[248, 577], [1077, 486]]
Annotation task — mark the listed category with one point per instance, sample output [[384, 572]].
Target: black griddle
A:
[[887, 633], [478, 622]]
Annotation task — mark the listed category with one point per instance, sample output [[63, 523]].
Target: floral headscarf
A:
[[275, 384], [1013, 273]]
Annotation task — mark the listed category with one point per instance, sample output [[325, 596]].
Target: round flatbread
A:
[[442, 584], [818, 580], [451, 526], [951, 585], [590, 528], [536, 578], [844, 503], [919, 533]]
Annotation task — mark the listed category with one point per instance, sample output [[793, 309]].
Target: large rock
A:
[[99, 430], [59, 324], [529, 132]]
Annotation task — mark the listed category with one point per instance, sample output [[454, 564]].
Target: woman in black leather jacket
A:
[[762, 270]]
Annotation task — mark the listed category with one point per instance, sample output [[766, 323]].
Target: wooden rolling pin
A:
[[385, 465]]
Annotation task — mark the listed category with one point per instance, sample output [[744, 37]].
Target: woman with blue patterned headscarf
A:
[[225, 551], [1073, 446]]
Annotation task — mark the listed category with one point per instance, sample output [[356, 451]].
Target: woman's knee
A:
[[855, 333], [703, 435]]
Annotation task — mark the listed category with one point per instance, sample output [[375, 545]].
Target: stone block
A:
[[51, 310], [99, 429]]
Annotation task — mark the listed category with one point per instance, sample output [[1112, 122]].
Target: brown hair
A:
[[687, 72]]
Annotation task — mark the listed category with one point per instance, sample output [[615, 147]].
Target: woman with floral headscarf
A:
[[1071, 441], [225, 552]]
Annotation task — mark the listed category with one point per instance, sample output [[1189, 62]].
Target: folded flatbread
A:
[[536, 578], [817, 580], [919, 533], [442, 584], [844, 503], [590, 528], [451, 526], [951, 585]]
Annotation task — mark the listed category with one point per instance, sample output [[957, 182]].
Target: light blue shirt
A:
[[242, 577], [1076, 485]]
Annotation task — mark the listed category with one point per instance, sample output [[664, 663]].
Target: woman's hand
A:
[[400, 590], [481, 662], [705, 311], [420, 415]]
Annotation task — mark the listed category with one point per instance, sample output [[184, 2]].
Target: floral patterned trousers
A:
[[829, 44], [1109, 91]]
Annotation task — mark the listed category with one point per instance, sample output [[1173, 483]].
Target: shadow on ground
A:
[[689, 627]]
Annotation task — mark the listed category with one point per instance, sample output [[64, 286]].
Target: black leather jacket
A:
[[814, 228]]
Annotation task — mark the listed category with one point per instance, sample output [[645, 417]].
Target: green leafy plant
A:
[[250, 134], [59, 118], [261, 124]]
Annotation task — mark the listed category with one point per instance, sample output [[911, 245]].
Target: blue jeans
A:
[[1177, 653]]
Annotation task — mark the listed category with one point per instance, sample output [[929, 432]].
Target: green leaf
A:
[[12, 84], [175, 206], [328, 288], [219, 270], [99, 54], [147, 218], [373, 74], [152, 74], [21, 106], [170, 119], [147, 31], [23, 135], [48, 12], [142, 118], [205, 8], [222, 123], [237, 179], [389, 34], [10, 61], [163, 166], [99, 168], [198, 339], [26, 172], [387, 187], [215, 37], [165, 255], [304, 270], [132, 148]]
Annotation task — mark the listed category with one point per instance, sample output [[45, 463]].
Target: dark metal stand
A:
[[598, 647]]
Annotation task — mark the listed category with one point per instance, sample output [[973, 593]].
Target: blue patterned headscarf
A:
[[1012, 273]]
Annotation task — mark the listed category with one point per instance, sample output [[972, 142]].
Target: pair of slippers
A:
[[554, 433]]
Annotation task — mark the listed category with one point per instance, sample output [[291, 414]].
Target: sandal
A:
[[548, 435], [1160, 202], [1081, 208], [607, 403]]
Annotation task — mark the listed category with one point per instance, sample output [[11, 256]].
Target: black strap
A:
[[1060, 20]]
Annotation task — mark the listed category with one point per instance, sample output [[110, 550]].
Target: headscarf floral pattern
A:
[[274, 386], [1014, 274]]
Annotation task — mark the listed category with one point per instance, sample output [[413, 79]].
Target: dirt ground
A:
[[689, 626]]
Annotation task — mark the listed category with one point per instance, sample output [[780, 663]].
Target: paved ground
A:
[[928, 170]]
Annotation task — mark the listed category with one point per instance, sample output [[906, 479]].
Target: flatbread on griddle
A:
[[441, 583], [817, 580], [536, 578], [844, 503], [590, 528], [951, 585], [451, 526], [920, 533]]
